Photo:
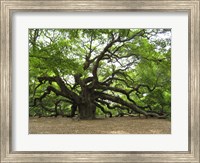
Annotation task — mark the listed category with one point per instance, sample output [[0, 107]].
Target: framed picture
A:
[[99, 81]]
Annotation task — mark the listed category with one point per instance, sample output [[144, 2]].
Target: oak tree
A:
[[94, 71]]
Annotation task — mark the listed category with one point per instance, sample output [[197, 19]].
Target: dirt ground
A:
[[115, 125]]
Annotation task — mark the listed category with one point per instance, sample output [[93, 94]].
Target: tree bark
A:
[[87, 110], [87, 107], [73, 109]]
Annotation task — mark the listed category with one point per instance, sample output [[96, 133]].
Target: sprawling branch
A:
[[132, 106], [114, 106], [100, 57], [64, 91], [103, 110]]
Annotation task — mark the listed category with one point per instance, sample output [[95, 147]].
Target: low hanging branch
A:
[[132, 106], [103, 110]]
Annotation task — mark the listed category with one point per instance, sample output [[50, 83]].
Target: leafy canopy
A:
[[131, 64]]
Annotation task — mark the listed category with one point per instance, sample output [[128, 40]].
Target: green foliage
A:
[[145, 62]]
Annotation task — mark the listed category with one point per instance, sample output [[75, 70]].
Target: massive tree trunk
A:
[[87, 108]]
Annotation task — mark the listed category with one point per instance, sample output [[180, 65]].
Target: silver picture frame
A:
[[8, 7]]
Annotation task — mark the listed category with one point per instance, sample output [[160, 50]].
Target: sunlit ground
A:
[[115, 125]]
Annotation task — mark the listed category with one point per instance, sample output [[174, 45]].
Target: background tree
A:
[[95, 71]]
